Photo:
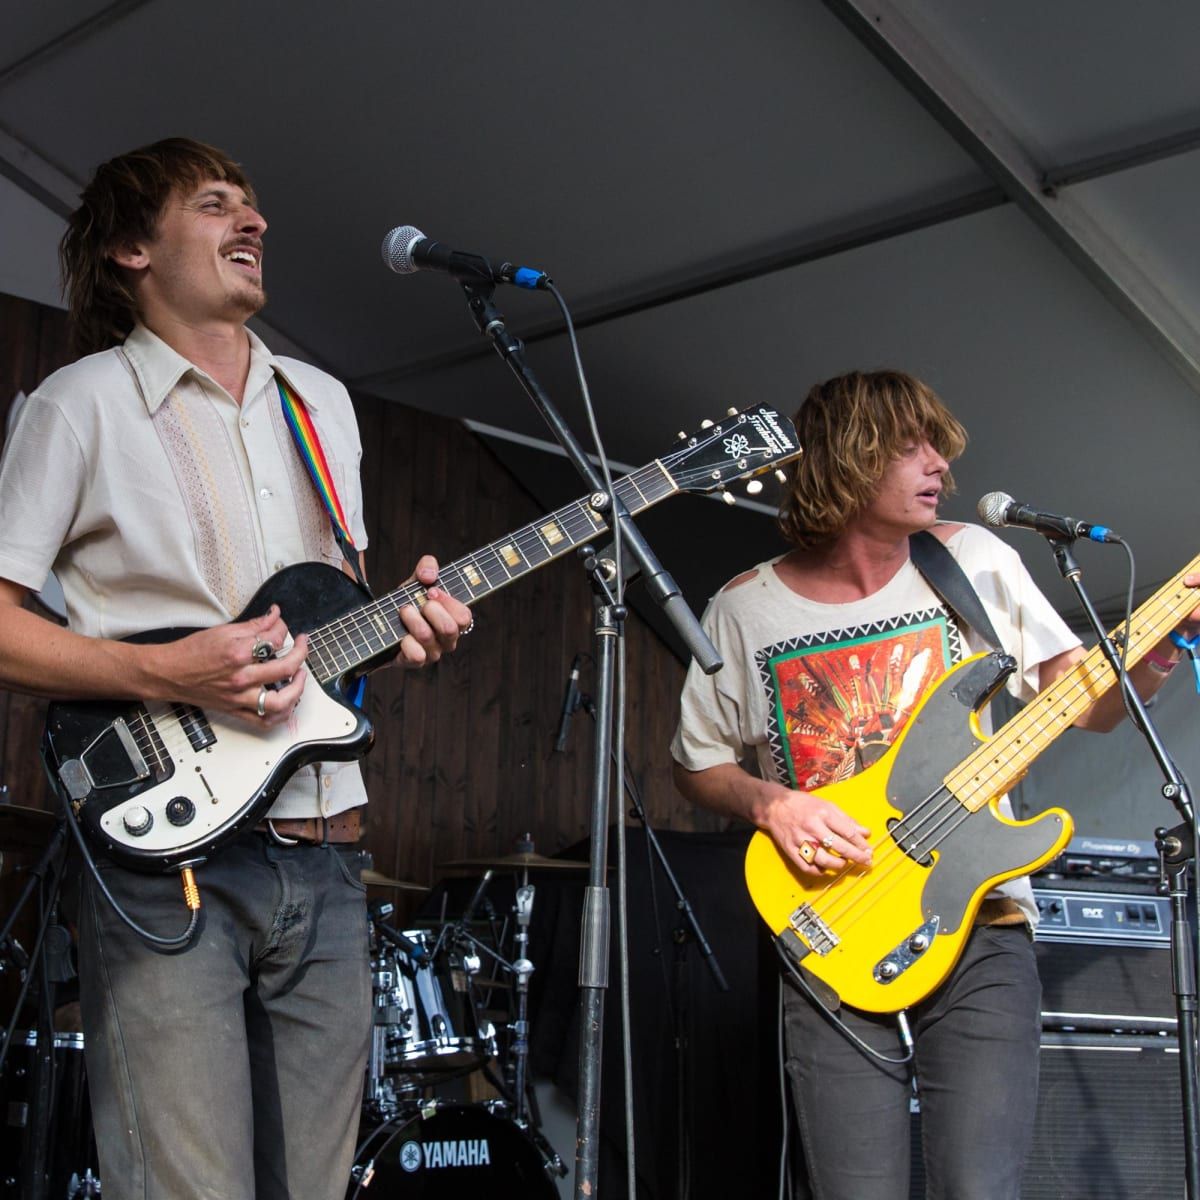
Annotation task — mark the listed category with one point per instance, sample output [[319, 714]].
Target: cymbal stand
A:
[[522, 970]]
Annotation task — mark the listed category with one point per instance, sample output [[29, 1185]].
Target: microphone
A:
[[999, 509], [406, 249], [569, 707]]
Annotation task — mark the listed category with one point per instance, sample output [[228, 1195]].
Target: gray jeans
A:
[[976, 1063], [232, 1069]]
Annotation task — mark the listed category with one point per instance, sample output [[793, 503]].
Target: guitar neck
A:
[[345, 645], [1001, 761]]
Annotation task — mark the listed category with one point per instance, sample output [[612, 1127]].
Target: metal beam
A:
[[910, 57], [704, 279], [78, 32]]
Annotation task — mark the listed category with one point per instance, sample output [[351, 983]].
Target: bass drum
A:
[[457, 1150]]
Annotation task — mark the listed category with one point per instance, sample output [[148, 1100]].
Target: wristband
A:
[[1164, 666], [1192, 647]]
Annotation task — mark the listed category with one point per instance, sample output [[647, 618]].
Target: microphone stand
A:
[[687, 932], [610, 613], [1176, 848]]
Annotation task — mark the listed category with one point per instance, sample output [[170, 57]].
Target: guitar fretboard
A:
[[1001, 761], [373, 630]]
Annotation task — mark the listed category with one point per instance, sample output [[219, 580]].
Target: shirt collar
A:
[[159, 367]]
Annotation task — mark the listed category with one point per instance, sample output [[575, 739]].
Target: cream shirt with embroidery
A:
[[159, 502]]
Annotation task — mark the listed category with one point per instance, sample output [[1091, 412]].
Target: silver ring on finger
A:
[[827, 842], [261, 708], [467, 629]]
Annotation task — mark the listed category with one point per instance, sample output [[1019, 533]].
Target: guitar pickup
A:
[[820, 938], [195, 726], [898, 960]]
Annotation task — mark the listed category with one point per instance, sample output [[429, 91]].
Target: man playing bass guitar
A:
[[829, 650]]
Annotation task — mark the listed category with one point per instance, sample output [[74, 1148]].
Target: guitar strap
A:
[[942, 572], [304, 432]]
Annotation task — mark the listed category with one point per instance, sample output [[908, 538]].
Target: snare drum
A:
[[71, 1164], [455, 1150], [426, 1023]]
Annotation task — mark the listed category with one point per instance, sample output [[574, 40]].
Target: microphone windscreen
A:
[[398, 246], [992, 507]]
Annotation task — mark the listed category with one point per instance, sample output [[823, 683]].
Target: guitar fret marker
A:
[[552, 533], [473, 576], [510, 554]]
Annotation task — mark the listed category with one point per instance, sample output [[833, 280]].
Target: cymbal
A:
[[375, 879], [521, 860], [25, 828]]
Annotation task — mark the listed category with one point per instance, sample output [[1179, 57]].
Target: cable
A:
[[190, 891], [841, 1025]]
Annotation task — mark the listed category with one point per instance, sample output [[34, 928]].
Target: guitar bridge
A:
[[113, 746], [898, 960], [820, 938]]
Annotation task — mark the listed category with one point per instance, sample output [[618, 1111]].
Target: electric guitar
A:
[[882, 937], [161, 786]]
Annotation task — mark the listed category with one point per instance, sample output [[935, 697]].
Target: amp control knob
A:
[[137, 820], [180, 810]]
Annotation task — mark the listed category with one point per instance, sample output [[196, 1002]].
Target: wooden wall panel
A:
[[463, 764]]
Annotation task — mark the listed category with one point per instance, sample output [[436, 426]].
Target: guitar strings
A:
[[1076, 688]]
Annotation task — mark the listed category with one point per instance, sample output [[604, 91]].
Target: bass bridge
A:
[[819, 937]]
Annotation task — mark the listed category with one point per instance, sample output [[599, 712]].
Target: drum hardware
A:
[[47, 1120], [426, 1027], [521, 860]]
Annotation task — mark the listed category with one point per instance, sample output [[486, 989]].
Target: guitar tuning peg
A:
[[731, 412], [754, 487], [779, 474], [706, 424], [728, 497]]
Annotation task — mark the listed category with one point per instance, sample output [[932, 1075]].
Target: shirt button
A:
[[278, 566], [245, 422], [327, 781], [265, 493]]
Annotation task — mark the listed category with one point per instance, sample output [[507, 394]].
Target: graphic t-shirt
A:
[[818, 691]]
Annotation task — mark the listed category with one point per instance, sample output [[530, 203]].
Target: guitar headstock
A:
[[740, 446]]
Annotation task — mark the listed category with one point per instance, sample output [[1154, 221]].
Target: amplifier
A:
[[1102, 859], [1105, 961]]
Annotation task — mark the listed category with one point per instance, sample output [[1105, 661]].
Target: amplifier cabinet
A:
[[1108, 1119]]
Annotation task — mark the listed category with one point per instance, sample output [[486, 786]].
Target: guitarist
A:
[[157, 479], [827, 649]]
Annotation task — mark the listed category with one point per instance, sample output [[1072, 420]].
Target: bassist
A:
[[828, 649]]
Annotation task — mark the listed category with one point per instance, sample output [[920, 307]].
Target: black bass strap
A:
[[942, 572]]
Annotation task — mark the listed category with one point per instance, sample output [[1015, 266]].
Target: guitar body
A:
[[882, 938], [158, 786], [202, 777]]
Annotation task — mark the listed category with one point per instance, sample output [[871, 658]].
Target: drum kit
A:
[[451, 1001], [449, 1012]]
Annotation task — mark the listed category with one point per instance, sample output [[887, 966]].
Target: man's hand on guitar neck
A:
[[435, 627]]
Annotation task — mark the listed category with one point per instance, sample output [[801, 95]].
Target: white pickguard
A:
[[223, 779]]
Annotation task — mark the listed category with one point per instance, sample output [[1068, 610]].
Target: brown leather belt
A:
[[1000, 910], [341, 827]]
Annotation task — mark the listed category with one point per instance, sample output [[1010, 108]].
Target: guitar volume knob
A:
[[137, 820], [180, 810], [919, 943]]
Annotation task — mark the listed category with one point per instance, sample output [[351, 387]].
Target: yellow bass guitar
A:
[[882, 938]]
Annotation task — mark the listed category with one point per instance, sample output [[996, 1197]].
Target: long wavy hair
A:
[[121, 205], [851, 428]]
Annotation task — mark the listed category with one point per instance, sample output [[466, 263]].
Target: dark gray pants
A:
[[232, 1069], [977, 1041]]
